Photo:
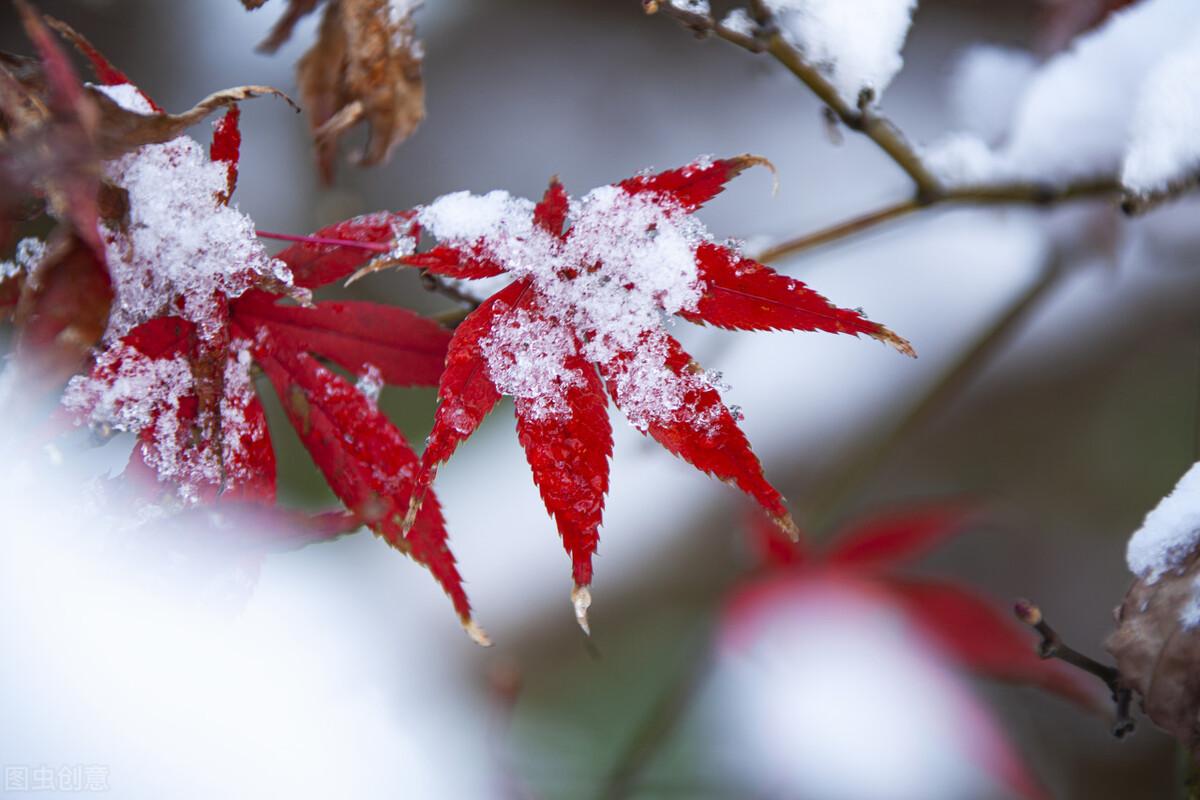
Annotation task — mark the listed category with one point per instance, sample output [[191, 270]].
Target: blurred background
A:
[[1066, 437]]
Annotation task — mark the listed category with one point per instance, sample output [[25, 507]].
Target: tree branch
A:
[[1052, 646], [867, 119], [1018, 193]]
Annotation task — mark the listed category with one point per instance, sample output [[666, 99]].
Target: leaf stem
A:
[[375, 247]]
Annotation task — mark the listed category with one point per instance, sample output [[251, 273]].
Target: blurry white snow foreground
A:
[[830, 693], [1122, 102], [118, 662]]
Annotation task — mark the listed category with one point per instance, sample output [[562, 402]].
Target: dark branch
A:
[[1052, 646]]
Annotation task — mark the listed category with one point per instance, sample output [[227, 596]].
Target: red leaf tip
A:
[[581, 599]]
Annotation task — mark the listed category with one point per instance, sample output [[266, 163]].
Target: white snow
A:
[[370, 383], [1170, 532], [693, 6], [855, 44], [830, 693], [739, 21], [181, 252], [182, 246], [985, 87], [29, 252], [629, 261], [1076, 117], [1165, 143]]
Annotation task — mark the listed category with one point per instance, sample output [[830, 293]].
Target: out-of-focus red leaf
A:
[[63, 311], [985, 640], [1060, 21], [226, 145], [694, 185], [315, 265], [406, 348], [569, 458], [742, 294], [891, 538], [719, 447], [363, 456], [771, 547], [466, 390]]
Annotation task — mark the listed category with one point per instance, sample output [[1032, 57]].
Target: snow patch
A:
[[29, 253], [1170, 533], [182, 249], [856, 45], [1165, 140]]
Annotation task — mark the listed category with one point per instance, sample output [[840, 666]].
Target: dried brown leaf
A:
[[122, 130], [365, 66], [1158, 655]]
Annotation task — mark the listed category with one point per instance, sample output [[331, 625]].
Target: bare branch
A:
[[1052, 646]]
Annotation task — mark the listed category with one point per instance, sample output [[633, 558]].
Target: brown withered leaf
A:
[[253, 4], [364, 67], [121, 130], [1158, 656]]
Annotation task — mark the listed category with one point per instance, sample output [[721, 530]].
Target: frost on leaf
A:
[[592, 280], [856, 45]]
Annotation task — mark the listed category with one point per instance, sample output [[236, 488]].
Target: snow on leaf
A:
[[1169, 538], [568, 453], [466, 389], [181, 245], [696, 425], [406, 348], [363, 456], [591, 282], [693, 185], [856, 45]]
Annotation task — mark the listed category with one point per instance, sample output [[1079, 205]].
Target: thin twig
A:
[[1052, 646], [1019, 193], [867, 119]]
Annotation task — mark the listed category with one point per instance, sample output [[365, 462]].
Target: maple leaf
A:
[[581, 319], [195, 301], [364, 66], [963, 627]]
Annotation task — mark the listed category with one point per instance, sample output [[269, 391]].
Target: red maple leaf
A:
[[175, 367], [964, 627], [580, 322]]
